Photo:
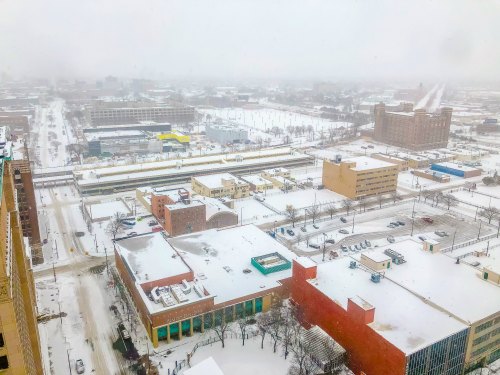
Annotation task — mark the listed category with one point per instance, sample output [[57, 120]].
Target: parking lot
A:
[[374, 226]]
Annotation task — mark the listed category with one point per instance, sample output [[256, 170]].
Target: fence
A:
[[211, 340], [468, 243]]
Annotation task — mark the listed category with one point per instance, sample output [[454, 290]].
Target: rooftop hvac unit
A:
[[375, 277], [338, 158], [352, 264]]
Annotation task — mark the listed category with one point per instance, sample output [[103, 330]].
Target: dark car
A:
[[343, 219], [401, 222], [428, 220], [330, 240], [315, 226], [290, 232], [314, 246], [303, 229], [343, 231]]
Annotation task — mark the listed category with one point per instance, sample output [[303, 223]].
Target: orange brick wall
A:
[[177, 221], [368, 352]]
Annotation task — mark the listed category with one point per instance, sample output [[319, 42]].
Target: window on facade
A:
[[1, 340], [4, 363]]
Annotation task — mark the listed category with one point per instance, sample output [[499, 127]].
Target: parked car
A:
[[314, 246], [303, 229], [330, 240], [45, 241], [343, 219], [152, 223], [395, 224], [368, 243], [441, 233], [130, 234], [334, 254], [315, 226], [79, 234], [401, 222], [391, 225], [428, 220], [391, 239], [422, 238], [343, 248], [363, 246], [79, 366], [343, 231], [290, 232]]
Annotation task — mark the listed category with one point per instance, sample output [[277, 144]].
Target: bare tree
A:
[[380, 200], [347, 205], [275, 325], [292, 214], [301, 349], [363, 202], [395, 196], [263, 321], [428, 194], [115, 224], [243, 325], [438, 197], [289, 327], [450, 200], [331, 209], [220, 327], [299, 238], [489, 213], [314, 212]]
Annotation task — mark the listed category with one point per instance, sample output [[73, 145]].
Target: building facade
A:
[[220, 185], [19, 341], [360, 177], [226, 134], [412, 129]]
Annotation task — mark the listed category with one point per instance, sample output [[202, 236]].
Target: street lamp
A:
[[479, 232], [69, 363], [324, 246], [353, 220]]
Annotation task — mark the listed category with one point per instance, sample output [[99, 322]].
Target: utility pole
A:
[[479, 232], [453, 242], [69, 364], [106, 253], [353, 220], [54, 271]]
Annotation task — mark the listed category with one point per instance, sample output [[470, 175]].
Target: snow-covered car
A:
[[344, 231], [314, 246], [391, 239], [315, 226], [344, 248], [79, 366]]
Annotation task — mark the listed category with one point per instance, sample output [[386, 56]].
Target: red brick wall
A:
[[157, 205], [367, 350], [177, 221]]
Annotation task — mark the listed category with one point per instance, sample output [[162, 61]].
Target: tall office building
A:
[[19, 340], [412, 129]]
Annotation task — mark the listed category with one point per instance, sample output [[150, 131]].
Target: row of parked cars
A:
[[395, 224], [357, 247]]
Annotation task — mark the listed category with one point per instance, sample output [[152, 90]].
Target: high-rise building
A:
[[19, 340], [412, 129]]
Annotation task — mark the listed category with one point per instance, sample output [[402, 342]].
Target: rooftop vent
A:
[[352, 264]]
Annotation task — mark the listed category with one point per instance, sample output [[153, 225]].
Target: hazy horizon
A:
[[234, 40]]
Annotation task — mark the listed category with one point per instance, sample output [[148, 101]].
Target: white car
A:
[[79, 366]]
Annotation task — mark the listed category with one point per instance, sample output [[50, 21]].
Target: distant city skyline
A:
[[233, 40]]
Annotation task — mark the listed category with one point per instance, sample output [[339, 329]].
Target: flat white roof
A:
[[365, 163], [437, 278], [150, 255], [399, 314], [255, 179], [214, 181], [219, 257], [214, 206], [376, 256]]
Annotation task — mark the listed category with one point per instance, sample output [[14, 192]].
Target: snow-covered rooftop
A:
[[255, 179], [214, 206], [206, 367], [435, 277], [214, 181], [221, 259], [365, 163], [395, 307], [149, 257]]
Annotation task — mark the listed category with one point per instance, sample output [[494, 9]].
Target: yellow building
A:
[[175, 135], [360, 177], [19, 341], [220, 185]]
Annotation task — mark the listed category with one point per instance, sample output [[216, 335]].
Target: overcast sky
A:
[[235, 39]]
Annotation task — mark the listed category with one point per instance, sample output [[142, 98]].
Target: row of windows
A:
[[486, 325], [486, 348], [486, 337]]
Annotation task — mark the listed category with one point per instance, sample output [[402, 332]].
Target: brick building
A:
[[412, 129], [20, 344], [186, 284], [220, 185], [378, 323], [360, 177]]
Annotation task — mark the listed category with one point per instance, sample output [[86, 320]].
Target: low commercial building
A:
[[459, 307], [274, 172], [489, 125], [226, 134], [189, 283], [122, 142], [456, 169], [374, 319], [220, 185], [400, 162], [432, 175], [257, 183], [360, 177]]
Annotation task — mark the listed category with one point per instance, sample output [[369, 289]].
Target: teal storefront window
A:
[[174, 328], [240, 310], [258, 305], [162, 333], [248, 307], [229, 313], [186, 326], [207, 321], [197, 323]]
